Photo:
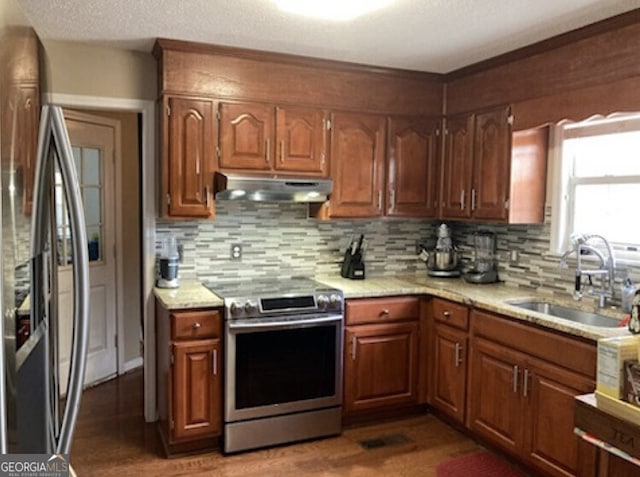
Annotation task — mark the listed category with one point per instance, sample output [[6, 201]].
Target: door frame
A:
[[147, 191]]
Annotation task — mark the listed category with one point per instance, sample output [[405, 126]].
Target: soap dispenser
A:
[[628, 291]]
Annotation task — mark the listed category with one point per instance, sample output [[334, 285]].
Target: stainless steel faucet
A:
[[606, 270]]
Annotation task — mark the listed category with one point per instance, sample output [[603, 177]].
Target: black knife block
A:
[[352, 266]]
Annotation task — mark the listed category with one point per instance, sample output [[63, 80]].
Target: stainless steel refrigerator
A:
[[33, 416]]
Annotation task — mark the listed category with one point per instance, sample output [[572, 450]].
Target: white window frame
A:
[[561, 183]]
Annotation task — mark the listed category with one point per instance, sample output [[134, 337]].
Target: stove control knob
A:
[[322, 301], [235, 309], [335, 301], [250, 307]]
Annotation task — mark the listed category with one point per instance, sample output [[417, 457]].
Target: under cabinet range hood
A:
[[264, 188]]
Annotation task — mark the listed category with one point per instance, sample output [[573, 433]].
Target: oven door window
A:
[[283, 366]]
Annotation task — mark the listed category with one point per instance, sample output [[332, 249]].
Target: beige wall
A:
[[91, 70], [130, 213]]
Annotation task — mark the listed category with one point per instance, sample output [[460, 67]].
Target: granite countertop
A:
[[490, 297], [190, 294]]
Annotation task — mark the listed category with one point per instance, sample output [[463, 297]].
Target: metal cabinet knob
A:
[[196, 325]]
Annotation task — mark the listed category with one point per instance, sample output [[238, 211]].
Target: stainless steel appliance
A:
[[483, 269], [283, 361], [168, 264], [271, 188], [32, 418], [443, 260]]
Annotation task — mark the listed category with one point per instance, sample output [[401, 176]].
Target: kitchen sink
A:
[[567, 313]]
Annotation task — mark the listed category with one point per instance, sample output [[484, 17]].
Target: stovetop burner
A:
[[261, 298]]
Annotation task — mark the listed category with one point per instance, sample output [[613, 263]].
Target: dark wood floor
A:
[[112, 439]]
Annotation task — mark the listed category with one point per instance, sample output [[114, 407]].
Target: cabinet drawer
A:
[[380, 310], [453, 314], [195, 324]]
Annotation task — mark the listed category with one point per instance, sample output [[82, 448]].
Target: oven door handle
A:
[[238, 325]]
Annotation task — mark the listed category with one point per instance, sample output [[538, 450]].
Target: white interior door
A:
[[94, 143]]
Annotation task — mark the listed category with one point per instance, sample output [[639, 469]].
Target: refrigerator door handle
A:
[[80, 267]]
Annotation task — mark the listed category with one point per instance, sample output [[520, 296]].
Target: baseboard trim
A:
[[132, 364]]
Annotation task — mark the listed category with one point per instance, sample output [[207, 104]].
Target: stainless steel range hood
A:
[[271, 188]]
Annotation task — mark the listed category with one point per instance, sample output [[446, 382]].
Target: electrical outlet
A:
[[514, 256], [236, 251]]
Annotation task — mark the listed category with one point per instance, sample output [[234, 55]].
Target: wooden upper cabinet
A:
[[413, 167], [490, 173], [246, 136], [300, 135], [457, 167], [263, 138], [357, 165], [492, 161], [190, 157]]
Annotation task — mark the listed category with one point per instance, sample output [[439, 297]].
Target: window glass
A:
[[597, 183]]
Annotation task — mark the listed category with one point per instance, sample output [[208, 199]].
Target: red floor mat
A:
[[480, 464]]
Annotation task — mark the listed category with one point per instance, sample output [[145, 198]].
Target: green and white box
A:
[[612, 352]]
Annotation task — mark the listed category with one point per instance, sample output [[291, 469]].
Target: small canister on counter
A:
[[634, 321]]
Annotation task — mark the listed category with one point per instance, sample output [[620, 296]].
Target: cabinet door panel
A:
[[413, 166], [191, 157], [553, 446], [300, 141], [197, 389], [357, 165], [495, 403], [246, 131], [380, 366], [457, 167], [449, 371], [492, 161]]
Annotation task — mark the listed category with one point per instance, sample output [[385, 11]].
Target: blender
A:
[[168, 261], [483, 269]]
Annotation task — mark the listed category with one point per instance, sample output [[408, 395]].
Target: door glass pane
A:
[[94, 235], [77, 154], [91, 166], [92, 206]]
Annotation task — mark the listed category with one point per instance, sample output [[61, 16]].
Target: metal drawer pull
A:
[[515, 379], [473, 199], [446, 314], [458, 355], [282, 152], [214, 362], [206, 196], [462, 199], [525, 391], [384, 312], [267, 150], [196, 325], [353, 347]]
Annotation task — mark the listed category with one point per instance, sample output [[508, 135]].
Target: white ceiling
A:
[[426, 35]]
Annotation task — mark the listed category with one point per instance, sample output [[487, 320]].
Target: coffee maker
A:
[[168, 263], [483, 269]]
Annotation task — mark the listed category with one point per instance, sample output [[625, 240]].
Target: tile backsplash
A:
[[278, 239]]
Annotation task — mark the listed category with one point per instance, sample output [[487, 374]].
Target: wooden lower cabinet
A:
[[447, 387], [189, 375], [524, 404], [196, 389], [381, 354], [380, 366]]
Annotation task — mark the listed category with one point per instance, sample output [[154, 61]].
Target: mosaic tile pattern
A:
[[278, 239]]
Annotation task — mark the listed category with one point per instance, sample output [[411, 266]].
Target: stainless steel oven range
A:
[[283, 361]]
